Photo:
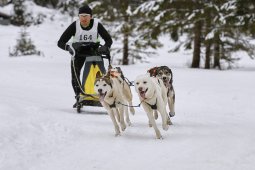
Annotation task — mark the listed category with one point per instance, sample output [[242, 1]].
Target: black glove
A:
[[68, 48], [77, 46], [104, 50]]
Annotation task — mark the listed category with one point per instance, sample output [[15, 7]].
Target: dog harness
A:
[[113, 105], [153, 107]]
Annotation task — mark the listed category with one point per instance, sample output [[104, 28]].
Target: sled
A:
[[88, 97]]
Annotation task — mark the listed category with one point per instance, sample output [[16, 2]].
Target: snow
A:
[[213, 127]]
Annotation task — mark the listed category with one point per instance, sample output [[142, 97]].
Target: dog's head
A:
[[115, 72], [102, 85], [165, 74], [144, 86], [153, 71]]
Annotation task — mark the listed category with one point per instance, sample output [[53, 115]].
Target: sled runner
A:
[[92, 65]]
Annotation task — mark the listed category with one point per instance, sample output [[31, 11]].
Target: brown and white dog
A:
[[110, 99], [152, 94], [122, 86], [166, 75]]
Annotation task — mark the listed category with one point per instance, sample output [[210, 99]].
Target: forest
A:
[[212, 29]]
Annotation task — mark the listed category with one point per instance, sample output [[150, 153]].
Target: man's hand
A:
[[69, 49], [77, 46], [104, 50]]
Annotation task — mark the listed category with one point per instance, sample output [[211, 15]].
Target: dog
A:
[[122, 86], [110, 99], [152, 95], [166, 75]]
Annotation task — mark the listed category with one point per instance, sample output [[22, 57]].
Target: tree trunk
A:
[[208, 42], [208, 54], [216, 51], [125, 42], [197, 45]]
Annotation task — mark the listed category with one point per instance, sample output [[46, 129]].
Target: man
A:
[[84, 30]]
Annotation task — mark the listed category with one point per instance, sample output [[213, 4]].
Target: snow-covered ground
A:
[[39, 130]]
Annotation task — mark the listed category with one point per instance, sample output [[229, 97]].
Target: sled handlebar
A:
[[74, 47]]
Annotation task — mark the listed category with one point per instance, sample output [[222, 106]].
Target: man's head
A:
[[85, 14]]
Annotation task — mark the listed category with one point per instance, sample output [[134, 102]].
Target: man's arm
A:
[[65, 37], [105, 35]]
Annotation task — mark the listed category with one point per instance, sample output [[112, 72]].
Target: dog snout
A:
[[100, 90], [140, 89], [164, 78]]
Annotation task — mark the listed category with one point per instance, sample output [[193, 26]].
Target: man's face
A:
[[85, 19]]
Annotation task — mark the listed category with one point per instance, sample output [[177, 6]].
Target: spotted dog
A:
[[166, 75]]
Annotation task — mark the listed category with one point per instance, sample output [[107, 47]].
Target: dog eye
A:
[[144, 82], [137, 83], [97, 85], [104, 85]]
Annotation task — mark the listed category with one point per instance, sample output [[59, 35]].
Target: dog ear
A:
[[152, 71], [108, 73], [121, 73], [107, 76], [118, 69], [98, 75], [109, 67], [171, 80]]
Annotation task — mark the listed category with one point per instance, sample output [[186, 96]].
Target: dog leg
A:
[[116, 126], [171, 106], [153, 123], [131, 109], [122, 122], [117, 114], [150, 124], [127, 116], [155, 114], [164, 116]]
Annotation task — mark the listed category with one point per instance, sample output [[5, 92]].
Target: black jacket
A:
[[70, 31]]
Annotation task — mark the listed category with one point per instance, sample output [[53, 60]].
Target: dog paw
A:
[[159, 137], [169, 122], [117, 134], [171, 114], [132, 110], [150, 125], [165, 127], [123, 127], [129, 123], [117, 131]]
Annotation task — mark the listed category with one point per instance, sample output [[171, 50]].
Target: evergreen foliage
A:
[[47, 3], [217, 26], [24, 46], [122, 18], [70, 6], [19, 13], [213, 29]]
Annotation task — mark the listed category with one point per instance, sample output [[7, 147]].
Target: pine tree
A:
[[47, 3], [120, 15], [19, 13], [69, 6], [24, 45]]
